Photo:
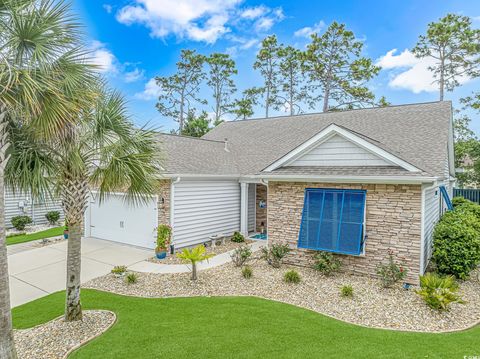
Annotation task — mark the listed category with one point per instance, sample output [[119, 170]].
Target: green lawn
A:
[[51, 232], [240, 327]]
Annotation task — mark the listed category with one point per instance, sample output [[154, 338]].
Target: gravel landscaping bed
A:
[[48, 241], [219, 249], [30, 229], [370, 306], [56, 339]]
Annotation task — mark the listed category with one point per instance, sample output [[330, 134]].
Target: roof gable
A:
[[337, 146]]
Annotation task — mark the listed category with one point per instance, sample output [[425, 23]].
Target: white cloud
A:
[[410, 73], [108, 8], [200, 20], [103, 58], [134, 75], [264, 24], [309, 30], [150, 92], [254, 12]]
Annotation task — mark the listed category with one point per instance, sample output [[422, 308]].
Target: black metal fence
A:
[[471, 194]]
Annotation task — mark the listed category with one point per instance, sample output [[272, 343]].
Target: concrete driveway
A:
[[36, 272]]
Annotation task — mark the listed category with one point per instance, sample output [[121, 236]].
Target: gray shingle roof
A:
[[416, 133], [190, 155]]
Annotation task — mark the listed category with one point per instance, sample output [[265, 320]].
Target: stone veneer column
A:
[[393, 221], [164, 208]]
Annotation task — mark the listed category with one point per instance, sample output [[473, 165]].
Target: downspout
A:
[[172, 210]]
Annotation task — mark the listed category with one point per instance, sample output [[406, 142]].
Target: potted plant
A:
[[119, 271], [65, 231], [164, 233]]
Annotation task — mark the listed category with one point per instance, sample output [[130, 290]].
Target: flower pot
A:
[[119, 275], [161, 254], [65, 234]]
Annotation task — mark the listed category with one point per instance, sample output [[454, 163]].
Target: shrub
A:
[[275, 254], [164, 233], [458, 201], [247, 272], [20, 222], [131, 278], [346, 291], [456, 242], [119, 269], [193, 256], [327, 263], [241, 255], [292, 276], [438, 292], [238, 237], [52, 217], [391, 272]]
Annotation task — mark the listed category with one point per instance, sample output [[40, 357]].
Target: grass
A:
[[240, 327], [51, 232]]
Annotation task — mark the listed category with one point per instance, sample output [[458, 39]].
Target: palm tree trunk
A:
[[194, 271], [73, 307], [75, 195], [7, 344]]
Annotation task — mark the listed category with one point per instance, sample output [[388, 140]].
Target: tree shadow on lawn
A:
[[240, 327]]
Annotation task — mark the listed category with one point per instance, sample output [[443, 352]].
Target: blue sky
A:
[[136, 40]]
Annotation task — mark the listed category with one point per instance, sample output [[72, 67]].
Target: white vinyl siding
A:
[[252, 190], [204, 208], [431, 216], [36, 211], [338, 151]]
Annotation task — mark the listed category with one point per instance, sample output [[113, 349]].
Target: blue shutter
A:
[[333, 220]]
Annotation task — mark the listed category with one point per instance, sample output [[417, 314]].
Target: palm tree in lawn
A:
[[101, 150], [40, 64]]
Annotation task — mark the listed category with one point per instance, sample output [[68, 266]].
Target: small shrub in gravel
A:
[[119, 270], [391, 272], [241, 255], [347, 291], [247, 272], [275, 254], [438, 292], [193, 256], [52, 217], [292, 276], [456, 241], [131, 278], [238, 238], [20, 222], [327, 263]]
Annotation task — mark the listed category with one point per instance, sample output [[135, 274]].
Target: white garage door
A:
[[204, 208], [118, 221]]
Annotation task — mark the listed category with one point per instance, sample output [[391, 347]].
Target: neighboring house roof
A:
[[416, 134], [191, 155]]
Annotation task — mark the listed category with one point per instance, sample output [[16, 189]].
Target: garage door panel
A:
[[117, 220]]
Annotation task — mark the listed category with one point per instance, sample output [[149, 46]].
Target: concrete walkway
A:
[[35, 272], [149, 267]]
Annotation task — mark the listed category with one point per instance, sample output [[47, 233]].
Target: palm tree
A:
[[40, 63], [101, 150]]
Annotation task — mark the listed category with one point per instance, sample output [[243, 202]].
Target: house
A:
[[356, 183], [18, 203]]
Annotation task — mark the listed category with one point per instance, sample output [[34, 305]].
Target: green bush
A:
[[292, 276], [275, 254], [327, 263], [52, 217], [247, 272], [456, 242], [391, 272], [458, 201], [164, 233], [438, 292], [241, 255], [131, 278], [346, 291], [20, 222], [238, 237]]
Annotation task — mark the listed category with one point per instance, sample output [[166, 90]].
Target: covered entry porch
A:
[[253, 209]]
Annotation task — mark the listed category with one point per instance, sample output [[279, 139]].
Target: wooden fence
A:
[[471, 194]]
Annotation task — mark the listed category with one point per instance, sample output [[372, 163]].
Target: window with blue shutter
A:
[[333, 220]]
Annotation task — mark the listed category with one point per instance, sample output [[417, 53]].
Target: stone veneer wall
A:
[[164, 209], [393, 220], [261, 213]]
